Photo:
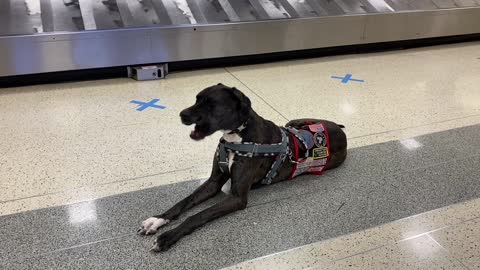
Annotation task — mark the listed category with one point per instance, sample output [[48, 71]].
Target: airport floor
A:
[[83, 164]]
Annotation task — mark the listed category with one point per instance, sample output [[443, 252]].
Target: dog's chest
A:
[[232, 138]]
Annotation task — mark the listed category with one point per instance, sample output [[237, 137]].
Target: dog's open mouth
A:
[[197, 134]]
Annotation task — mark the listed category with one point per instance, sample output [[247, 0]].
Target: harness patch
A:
[[320, 140], [321, 152], [316, 156]]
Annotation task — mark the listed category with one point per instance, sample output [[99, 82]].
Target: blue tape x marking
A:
[[145, 105], [347, 78]]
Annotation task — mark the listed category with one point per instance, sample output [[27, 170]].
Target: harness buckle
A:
[[254, 150]]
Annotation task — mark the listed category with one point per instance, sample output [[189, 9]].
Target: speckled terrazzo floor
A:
[[378, 184], [443, 238], [71, 142], [80, 168]]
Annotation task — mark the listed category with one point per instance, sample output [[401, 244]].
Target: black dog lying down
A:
[[252, 152]]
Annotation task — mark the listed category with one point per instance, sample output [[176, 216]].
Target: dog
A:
[[252, 152]]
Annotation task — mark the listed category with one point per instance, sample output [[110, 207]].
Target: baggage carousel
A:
[[38, 36]]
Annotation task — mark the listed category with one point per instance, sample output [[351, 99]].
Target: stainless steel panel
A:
[[398, 5], [32, 16], [376, 6], [44, 53], [63, 15], [88, 18], [143, 13], [422, 5], [162, 14], [246, 11], [125, 14], [329, 8], [93, 49], [229, 10], [444, 3], [196, 12], [383, 28], [20, 17], [5, 18], [47, 15], [106, 14], [272, 9], [369, 8], [465, 3], [211, 11], [299, 8], [179, 12], [350, 6], [254, 38]]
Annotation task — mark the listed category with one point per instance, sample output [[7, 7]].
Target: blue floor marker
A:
[[347, 78], [144, 105]]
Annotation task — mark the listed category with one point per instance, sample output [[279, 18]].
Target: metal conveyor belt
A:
[[71, 22]]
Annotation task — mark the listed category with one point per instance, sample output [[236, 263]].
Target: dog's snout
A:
[[188, 117], [184, 114]]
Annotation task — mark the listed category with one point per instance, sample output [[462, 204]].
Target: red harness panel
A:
[[317, 153]]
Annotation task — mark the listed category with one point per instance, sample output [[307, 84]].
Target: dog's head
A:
[[218, 107]]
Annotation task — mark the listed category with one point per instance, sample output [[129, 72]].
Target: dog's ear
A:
[[244, 104]]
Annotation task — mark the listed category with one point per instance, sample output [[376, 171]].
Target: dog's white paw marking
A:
[[151, 225], [227, 187]]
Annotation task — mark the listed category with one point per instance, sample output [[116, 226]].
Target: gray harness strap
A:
[[255, 150], [299, 136]]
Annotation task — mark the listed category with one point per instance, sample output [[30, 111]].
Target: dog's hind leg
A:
[[207, 190]]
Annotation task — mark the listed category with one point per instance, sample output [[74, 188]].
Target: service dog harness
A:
[[313, 137]]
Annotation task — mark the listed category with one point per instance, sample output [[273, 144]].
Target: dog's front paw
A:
[[151, 225], [164, 241]]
